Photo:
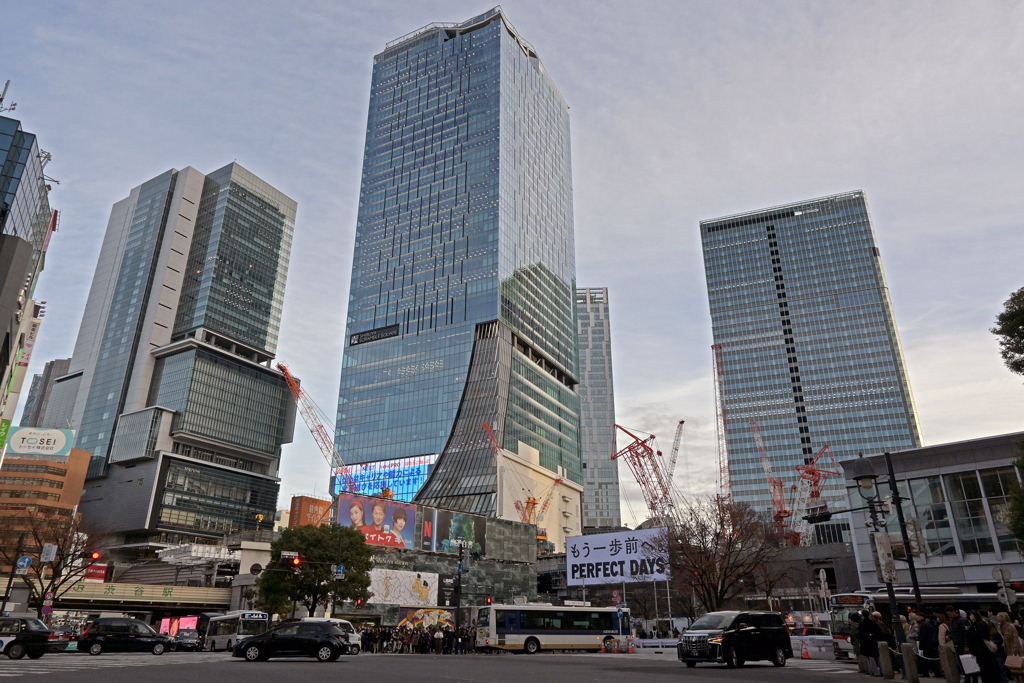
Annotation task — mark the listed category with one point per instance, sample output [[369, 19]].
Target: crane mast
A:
[[718, 370], [779, 510], [641, 458], [809, 494], [674, 455]]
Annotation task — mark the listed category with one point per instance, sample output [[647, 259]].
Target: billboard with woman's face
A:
[[383, 522]]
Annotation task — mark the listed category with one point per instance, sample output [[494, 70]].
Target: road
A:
[[202, 667]]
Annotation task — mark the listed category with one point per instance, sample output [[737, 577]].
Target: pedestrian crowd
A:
[[988, 647], [440, 639]]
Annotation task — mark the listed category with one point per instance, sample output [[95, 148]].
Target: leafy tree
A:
[[313, 584], [1010, 330]]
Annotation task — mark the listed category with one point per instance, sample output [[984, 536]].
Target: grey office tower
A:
[[170, 385], [597, 397], [810, 350], [462, 302]]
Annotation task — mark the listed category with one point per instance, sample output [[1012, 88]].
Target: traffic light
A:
[[488, 599], [296, 562], [92, 557], [359, 603]]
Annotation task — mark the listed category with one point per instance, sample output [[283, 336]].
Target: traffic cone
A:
[[805, 654], [630, 646]]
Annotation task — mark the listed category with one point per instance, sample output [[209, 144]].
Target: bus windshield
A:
[[252, 627]]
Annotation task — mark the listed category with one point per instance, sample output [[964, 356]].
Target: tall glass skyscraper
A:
[[462, 301], [801, 308], [597, 398], [170, 385]]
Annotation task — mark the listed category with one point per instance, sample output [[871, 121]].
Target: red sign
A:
[[47, 609], [96, 572]]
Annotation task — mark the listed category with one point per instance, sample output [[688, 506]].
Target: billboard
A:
[[613, 558], [306, 510], [383, 522], [398, 587], [32, 441], [445, 531], [403, 476], [427, 618]]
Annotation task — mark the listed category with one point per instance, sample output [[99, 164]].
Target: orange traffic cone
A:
[[805, 654], [630, 646]]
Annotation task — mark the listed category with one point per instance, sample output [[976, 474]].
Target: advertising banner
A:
[[427, 618], [398, 587], [32, 441], [383, 522], [307, 511], [445, 531], [616, 557], [402, 476], [447, 585]]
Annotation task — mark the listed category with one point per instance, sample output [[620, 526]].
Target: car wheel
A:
[[253, 653], [95, 648], [325, 653], [353, 649], [36, 653], [779, 659], [732, 659], [15, 651], [532, 646], [690, 665], [158, 648]]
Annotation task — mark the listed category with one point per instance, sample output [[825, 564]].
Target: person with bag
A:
[[978, 642], [869, 635], [1013, 666], [928, 640]]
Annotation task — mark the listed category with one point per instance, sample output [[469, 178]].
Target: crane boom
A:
[[809, 494], [310, 415], [674, 455], [724, 479], [641, 458], [779, 510]]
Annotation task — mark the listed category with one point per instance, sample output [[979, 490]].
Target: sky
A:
[[680, 111]]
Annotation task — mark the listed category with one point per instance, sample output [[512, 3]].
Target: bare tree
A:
[[719, 550], [74, 543]]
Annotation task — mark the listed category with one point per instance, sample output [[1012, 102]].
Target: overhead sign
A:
[[32, 441], [616, 557], [49, 552]]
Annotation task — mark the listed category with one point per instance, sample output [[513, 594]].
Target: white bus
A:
[[223, 631], [532, 628]]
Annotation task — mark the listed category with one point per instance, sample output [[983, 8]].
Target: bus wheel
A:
[[531, 646]]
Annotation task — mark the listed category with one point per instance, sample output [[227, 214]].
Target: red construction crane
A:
[[808, 495], [674, 455], [313, 419], [779, 510], [528, 509], [642, 460], [718, 370]]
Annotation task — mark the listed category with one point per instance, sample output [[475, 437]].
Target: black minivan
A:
[[109, 634], [735, 638]]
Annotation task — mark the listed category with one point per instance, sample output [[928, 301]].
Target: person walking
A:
[[978, 641], [1011, 644], [928, 641]]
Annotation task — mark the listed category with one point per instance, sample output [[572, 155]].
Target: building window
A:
[[969, 512], [930, 506], [997, 484]]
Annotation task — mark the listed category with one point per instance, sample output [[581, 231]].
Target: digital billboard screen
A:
[[383, 522], [402, 476]]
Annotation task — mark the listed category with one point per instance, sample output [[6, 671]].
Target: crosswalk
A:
[[56, 663], [822, 666]]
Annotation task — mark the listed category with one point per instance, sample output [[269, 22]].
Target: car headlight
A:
[[715, 640]]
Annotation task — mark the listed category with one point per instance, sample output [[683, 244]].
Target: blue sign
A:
[[24, 562], [620, 613], [403, 476], [339, 572]]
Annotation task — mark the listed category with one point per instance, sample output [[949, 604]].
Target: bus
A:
[[933, 598], [223, 631], [532, 628]]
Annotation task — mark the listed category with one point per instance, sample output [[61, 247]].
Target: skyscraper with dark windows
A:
[[810, 349], [462, 301], [170, 386], [597, 400]]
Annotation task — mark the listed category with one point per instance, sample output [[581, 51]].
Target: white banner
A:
[[616, 557], [397, 587]]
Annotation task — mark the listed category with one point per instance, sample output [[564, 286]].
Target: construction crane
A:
[[779, 510], [674, 455], [532, 510], [642, 460], [718, 370], [808, 495], [314, 420]]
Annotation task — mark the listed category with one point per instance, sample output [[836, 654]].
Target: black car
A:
[[122, 635], [294, 639], [188, 639], [735, 638], [24, 636]]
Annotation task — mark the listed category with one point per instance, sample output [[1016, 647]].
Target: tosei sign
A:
[[32, 441], [617, 557]]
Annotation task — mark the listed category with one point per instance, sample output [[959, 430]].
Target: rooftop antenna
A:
[[3, 95]]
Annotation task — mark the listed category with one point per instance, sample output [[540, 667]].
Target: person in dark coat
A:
[[869, 634], [977, 633], [928, 640]]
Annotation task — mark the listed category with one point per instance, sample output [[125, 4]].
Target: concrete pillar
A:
[[863, 665], [947, 658], [909, 663], [885, 660]]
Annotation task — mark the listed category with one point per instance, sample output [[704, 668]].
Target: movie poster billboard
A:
[[638, 555], [398, 587], [383, 522], [445, 531]]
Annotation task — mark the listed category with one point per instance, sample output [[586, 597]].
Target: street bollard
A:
[[885, 660], [862, 663], [910, 663], [947, 658]]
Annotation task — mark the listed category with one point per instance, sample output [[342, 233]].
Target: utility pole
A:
[[14, 564], [907, 551]]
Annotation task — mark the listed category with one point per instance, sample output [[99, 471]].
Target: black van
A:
[[109, 634], [735, 638]]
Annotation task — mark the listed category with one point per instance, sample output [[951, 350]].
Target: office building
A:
[[961, 493], [26, 224], [597, 401], [170, 386], [461, 308], [810, 350], [39, 394]]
